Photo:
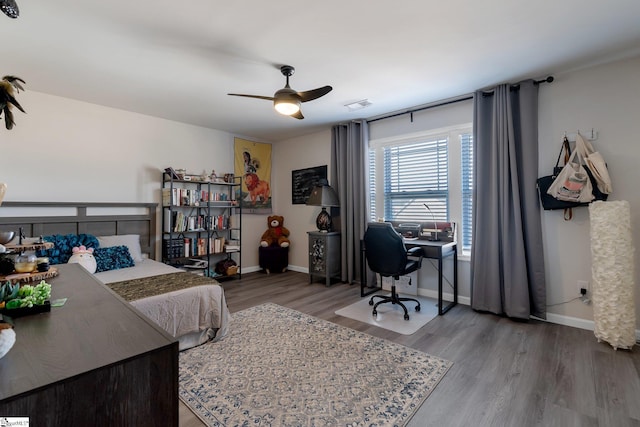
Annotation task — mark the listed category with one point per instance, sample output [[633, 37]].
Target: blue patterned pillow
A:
[[64, 244], [112, 258]]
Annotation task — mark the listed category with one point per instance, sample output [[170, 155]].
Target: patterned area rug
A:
[[280, 367]]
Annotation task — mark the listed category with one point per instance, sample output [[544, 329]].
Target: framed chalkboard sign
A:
[[303, 181]]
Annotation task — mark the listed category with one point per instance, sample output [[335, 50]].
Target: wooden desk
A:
[[435, 250], [94, 361]]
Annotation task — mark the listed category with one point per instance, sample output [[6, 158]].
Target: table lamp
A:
[[325, 196]]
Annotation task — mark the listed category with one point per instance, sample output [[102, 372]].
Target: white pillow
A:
[[131, 241]]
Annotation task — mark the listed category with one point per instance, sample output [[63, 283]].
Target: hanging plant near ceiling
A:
[[9, 86], [10, 8]]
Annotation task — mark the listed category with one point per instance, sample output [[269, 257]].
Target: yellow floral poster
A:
[[253, 164]]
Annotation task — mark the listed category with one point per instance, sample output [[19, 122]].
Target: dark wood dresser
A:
[[96, 361]]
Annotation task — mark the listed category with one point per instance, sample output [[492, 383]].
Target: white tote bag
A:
[[572, 183], [596, 164]]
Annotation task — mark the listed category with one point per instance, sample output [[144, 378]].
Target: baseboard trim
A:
[[576, 322], [255, 268], [445, 296]]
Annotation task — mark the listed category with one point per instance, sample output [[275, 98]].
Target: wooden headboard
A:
[[98, 219]]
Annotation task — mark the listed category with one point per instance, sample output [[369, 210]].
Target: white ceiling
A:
[[178, 60]]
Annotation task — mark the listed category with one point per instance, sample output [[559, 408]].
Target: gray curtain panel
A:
[[349, 177], [507, 264]]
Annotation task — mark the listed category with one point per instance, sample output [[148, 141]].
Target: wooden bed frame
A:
[[96, 218]]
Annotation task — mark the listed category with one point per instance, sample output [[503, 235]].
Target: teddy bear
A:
[[276, 234], [84, 256]]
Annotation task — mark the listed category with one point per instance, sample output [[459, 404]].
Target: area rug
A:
[[391, 316], [280, 367]]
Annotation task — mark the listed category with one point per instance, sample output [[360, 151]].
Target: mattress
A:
[[191, 308]]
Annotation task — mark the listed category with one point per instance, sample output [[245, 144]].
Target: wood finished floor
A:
[[505, 373]]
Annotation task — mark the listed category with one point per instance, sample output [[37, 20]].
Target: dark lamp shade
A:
[[323, 195]]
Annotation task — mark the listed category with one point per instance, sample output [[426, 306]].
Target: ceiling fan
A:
[[10, 8], [286, 100]]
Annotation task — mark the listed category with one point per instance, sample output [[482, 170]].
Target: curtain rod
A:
[[439, 104], [516, 86], [443, 103]]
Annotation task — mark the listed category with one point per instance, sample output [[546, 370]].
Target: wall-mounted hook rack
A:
[[591, 135]]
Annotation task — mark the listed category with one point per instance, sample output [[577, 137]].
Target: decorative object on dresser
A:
[[198, 219], [19, 265], [325, 196], [9, 87], [301, 370], [84, 256]]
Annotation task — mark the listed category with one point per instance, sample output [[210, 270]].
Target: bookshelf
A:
[[201, 224]]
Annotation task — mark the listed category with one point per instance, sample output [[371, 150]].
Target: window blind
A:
[[416, 174], [467, 189], [372, 186]]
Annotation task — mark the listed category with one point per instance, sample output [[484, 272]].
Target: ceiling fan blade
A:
[[268, 98], [310, 95], [298, 115]]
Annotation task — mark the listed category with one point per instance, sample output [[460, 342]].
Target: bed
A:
[[191, 308]]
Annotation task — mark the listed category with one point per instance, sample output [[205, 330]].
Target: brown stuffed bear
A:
[[276, 234]]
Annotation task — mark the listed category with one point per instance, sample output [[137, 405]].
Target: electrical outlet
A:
[[583, 284]]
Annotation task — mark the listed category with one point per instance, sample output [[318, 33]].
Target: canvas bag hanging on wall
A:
[[594, 161], [572, 183], [549, 202]]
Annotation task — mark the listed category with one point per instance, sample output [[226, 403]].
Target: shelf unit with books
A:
[[201, 221]]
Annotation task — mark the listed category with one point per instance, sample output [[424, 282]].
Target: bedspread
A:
[[192, 308]]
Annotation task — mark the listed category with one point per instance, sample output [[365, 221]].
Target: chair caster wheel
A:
[[370, 302], [417, 308], [406, 317], [374, 313]]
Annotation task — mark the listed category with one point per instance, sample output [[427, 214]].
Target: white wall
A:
[[606, 98], [298, 153], [66, 150]]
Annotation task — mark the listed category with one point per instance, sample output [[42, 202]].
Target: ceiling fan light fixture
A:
[[287, 107]]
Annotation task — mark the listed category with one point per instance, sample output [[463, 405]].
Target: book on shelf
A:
[[173, 248], [232, 246], [218, 245]]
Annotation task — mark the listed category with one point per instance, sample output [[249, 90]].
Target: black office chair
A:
[[386, 255]]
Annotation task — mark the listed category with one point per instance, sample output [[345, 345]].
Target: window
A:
[[432, 169], [467, 188]]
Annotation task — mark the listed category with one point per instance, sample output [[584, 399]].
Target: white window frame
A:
[[454, 148]]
